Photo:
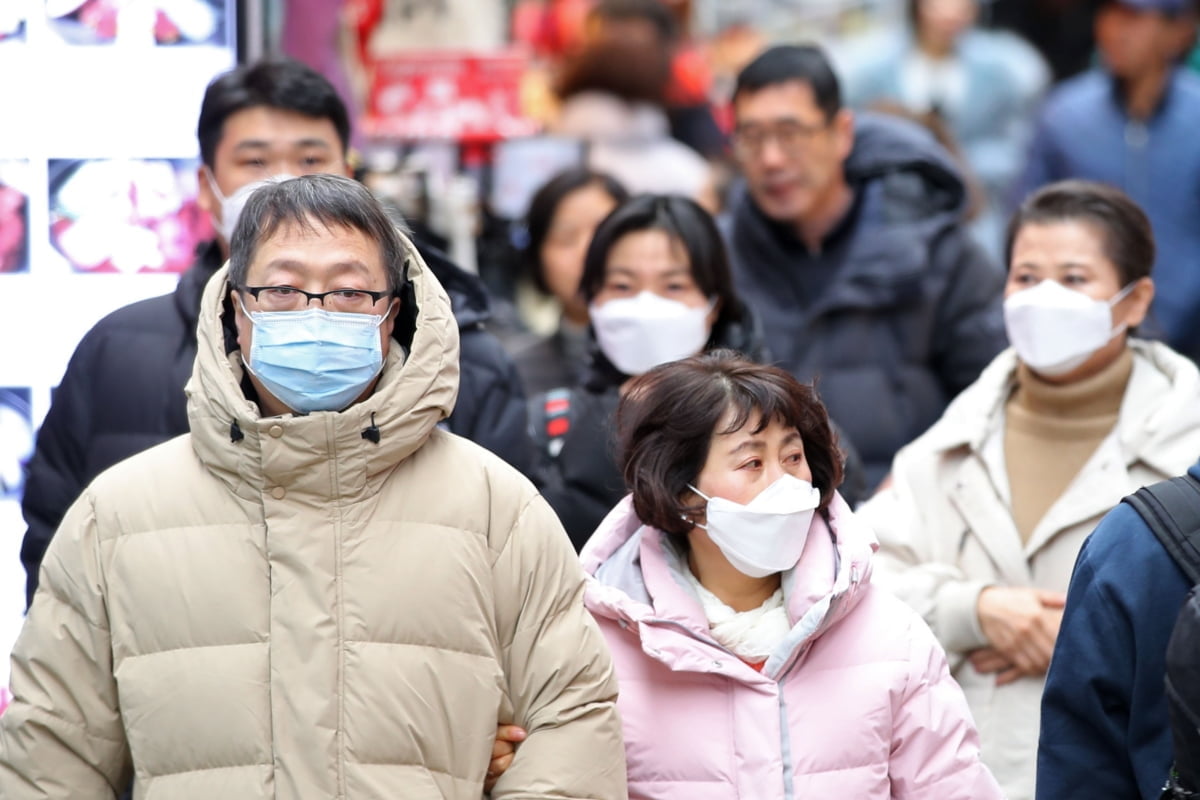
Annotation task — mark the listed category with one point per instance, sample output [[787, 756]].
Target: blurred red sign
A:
[[466, 96]]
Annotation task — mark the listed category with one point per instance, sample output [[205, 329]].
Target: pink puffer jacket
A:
[[856, 703]]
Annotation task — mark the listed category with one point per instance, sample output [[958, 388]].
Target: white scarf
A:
[[750, 635]]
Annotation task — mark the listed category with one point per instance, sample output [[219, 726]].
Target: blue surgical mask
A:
[[315, 360]]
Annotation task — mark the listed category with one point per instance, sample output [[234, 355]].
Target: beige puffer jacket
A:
[[284, 608]]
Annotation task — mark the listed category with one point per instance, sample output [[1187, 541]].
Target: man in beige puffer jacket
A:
[[337, 604]]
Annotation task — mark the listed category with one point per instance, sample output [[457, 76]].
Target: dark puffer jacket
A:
[[572, 430], [898, 311], [1105, 727], [122, 393]]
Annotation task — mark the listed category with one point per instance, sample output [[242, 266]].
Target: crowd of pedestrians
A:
[[827, 480]]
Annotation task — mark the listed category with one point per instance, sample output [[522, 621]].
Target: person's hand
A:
[[1021, 623], [505, 747], [988, 660]]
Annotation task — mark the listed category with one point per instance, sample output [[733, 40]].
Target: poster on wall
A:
[[15, 176], [98, 184], [125, 215]]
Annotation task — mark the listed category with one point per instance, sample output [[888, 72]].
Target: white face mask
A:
[[1055, 329], [231, 207], [766, 535], [639, 333]]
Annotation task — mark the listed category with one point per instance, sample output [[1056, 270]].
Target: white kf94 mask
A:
[[766, 535], [638, 333], [1055, 329], [231, 206]]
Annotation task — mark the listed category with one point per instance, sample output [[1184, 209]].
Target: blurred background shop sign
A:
[[458, 95]]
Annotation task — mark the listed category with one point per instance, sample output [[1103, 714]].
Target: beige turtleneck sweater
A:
[[1050, 432]]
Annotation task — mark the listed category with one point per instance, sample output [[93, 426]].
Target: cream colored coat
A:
[[946, 530], [302, 612]]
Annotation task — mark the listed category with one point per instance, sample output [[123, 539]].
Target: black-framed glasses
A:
[[289, 298], [791, 135]]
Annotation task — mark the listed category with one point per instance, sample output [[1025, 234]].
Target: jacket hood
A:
[[635, 578], [415, 391], [1160, 407], [918, 176]]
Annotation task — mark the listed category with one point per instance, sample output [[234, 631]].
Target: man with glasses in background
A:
[[317, 592], [848, 239]]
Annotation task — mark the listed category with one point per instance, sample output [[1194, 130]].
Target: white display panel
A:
[[98, 159]]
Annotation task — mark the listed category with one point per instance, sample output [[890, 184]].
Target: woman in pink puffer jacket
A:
[[755, 658]]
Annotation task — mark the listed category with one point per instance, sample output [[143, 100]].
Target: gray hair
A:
[[328, 200]]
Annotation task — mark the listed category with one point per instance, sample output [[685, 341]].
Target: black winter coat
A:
[[123, 393], [898, 312]]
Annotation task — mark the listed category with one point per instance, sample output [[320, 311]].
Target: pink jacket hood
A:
[[635, 577]]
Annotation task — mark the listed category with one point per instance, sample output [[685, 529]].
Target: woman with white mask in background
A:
[[658, 287], [986, 512], [733, 586]]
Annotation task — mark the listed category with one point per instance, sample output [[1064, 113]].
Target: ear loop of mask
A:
[[250, 319], [693, 523], [1120, 328], [1121, 295], [212, 183]]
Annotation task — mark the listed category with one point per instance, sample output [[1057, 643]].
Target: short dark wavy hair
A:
[[668, 416]]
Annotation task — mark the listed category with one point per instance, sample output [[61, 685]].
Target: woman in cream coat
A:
[[985, 513]]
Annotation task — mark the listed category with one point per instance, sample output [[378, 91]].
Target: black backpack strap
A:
[[1172, 510]]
